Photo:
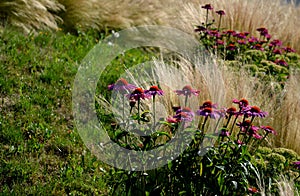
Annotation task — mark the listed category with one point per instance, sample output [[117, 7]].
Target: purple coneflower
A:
[[183, 116], [214, 33], [200, 28], [186, 110], [263, 31], [121, 85], [277, 51], [241, 35], [231, 47], [252, 131], [138, 94], [244, 125], [187, 91], [254, 111], [207, 7], [154, 90], [208, 104], [224, 133], [229, 32], [231, 111], [220, 42], [242, 42], [242, 102], [268, 129], [252, 190], [297, 164], [288, 49], [220, 12], [281, 62], [268, 36], [171, 119], [275, 42], [253, 39], [208, 112], [258, 47]]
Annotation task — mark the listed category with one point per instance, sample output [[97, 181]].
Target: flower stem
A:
[[203, 124], [206, 20], [139, 111], [185, 101], [154, 115], [219, 25], [229, 118], [123, 112]]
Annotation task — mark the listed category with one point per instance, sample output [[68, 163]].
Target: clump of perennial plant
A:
[[217, 162], [248, 49]]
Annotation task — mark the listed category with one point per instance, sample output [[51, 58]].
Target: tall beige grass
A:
[[103, 14], [287, 115], [30, 15]]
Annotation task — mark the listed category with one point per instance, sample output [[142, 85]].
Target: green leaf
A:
[[201, 169], [161, 133]]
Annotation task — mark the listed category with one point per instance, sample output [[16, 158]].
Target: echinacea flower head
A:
[[187, 91], [254, 111], [263, 31], [253, 39], [220, 42], [268, 129], [258, 47], [186, 110], [154, 90], [200, 28], [297, 164], [231, 111], [268, 36], [252, 190], [138, 94], [244, 125], [121, 85], [281, 62], [175, 108], [183, 116], [220, 12], [214, 33], [242, 42], [229, 32], [241, 35], [277, 51], [256, 136], [171, 119], [242, 102], [208, 104], [288, 49], [207, 7], [239, 142], [208, 112], [252, 131], [231, 47], [275, 42], [224, 133]]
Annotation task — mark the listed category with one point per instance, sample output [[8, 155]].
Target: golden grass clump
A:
[[103, 14], [287, 116], [30, 15]]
